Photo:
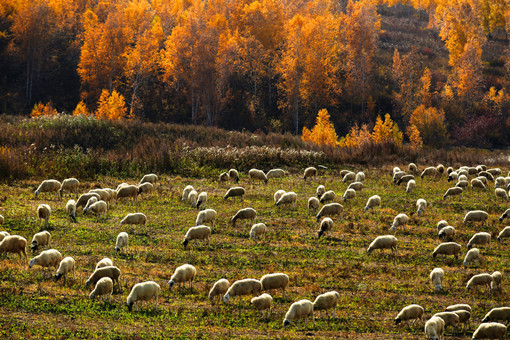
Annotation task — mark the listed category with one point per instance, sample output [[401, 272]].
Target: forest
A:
[[435, 72]]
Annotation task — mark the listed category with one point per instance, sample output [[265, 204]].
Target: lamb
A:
[[128, 191], [71, 209], [429, 172], [480, 239], [235, 192], [40, 239], [374, 201], [412, 312], [109, 271], [186, 191], [441, 224], [202, 199], [462, 184], [299, 310], [313, 203], [434, 328], [326, 301], [14, 244], [206, 216], [103, 287], [473, 255], [326, 225], [122, 241], [421, 205], [47, 258], [455, 191], [358, 186], [505, 215], [410, 186], [480, 280], [412, 167], [498, 314], [309, 173], [3, 234], [234, 175], [460, 306], [447, 233], [504, 234], [244, 214], [105, 262], [143, 291], [149, 178], [475, 216], [219, 289], [501, 193], [399, 221], [476, 183], [145, 188], [49, 185], [277, 195], [328, 196], [288, 198], [70, 185], [329, 210], [360, 177], [99, 208], [223, 177], [257, 230], [263, 302], [193, 197], [405, 179], [449, 318], [275, 281], [44, 213], [200, 232], [447, 248], [134, 218], [65, 267], [256, 174], [490, 330], [349, 177], [243, 287], [84, 198], [321, 189], [383, 242], [349, 194], [437, 276], [275, 173], [183, 274]]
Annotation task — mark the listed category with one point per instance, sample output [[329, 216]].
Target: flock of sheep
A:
[[103, 279]]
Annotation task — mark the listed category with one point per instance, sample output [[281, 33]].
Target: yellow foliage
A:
[[357, 137], [112, 106], [323, 133], [414, 137], [386, 131], [430, 123], [41, 109], [81, 109]]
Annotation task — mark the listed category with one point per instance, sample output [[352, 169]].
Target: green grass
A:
[[373, 288]]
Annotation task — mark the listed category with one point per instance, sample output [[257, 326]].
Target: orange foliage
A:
[[430, 123], [111, 106], [386, 131], [357, 137], [323, 133], [414, 137], [41, 109], [81, 109]]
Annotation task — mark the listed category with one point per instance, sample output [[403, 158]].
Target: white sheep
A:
[[219, 289], [49, 185], [109, 271], [243, 287], [299, 310], [395, 170], [494, 171], [200, 232], [257, 230], [437, 276], [84, 198], [374, 201], [434, 328], [41, 239], [235, 192], [459, 306], [47, 258], [440, 168], [275, 173], [405, 179], [328, 196], [475, 216], [398, 175], [482, 238], [504, 215], [462, 184], [326, 301], [412, 167], [133, 219], [429, 172], [201, 200], [490, 330], [244, 214], [480, 280], [192, 198], [278, 194], [483, 179], [128, 191], [44, 213], [234, 175], [313, 204], [358, 186], [69, 185], [360, 177], [143, 291], [500, 182], [412, 312], [449, 318], [447, 233], [321, 189], [103, 194], [183, 274], [3, 234], [327, 224], [349, 177], [309, 173], [453, 176], [99, 208], [91, 201], [288, 198], [473, 255], [501, 193], [421, 205], [122, 241], [383, 242], [206, 216], [455, 191], [275, 281], [256, 174], [349, 194], [71, 209], [14, 244], [496, 280], [410, 186], [441, 224], [329, 210], [399, 221], [464, 317], [149, 178], [447, 248], [66, 266], [104, 287], [498, 314], [105, 262], [223, 177], [145, 188], [186, 191], [476, 183], [504, 234], [263, 303]]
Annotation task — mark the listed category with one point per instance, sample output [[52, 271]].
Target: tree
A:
[[81, 109], [41, 109], [387, 131], [430, 124], [492, 14], [414, 137], [112, 106], [323, 133]]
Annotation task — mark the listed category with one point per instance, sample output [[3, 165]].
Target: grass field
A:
[[373, 288]]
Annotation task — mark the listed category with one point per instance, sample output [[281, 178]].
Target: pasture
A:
[[373, 288]]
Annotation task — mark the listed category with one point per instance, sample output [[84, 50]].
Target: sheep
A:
[[500, 182], [99, 208], [47, 258], [278, 194], [91, 201], [360, 177], [429, 172], [49, 185], [447, 233], [200, 232], [149, 178], [496, 280], [481, 167], [262, 302], [275, 281], [372, 202], [399, 221], [44, 213], [109, 271], [395, 170], [437, 276], [321, 189], [473, 255], [243, 287], [504, 215], [288, 198], [326, 225], [494, 171], [183, 274], [103, 287], [202, 199], [460, 306], [383, 242], [145, 188], [299, 310], [398, 175], [223, 177], [121, 185], [440, 168], [275, 173], [309, 173], [234, 175], [455, 191], [479, 280], [84, 198], [122, 241], [349, 194], [244, 214], [328, 196], [449, 170], [70, 185], [412, 312], [193, 197], [329, 210], [490, 330], [453, 176], [462, 184], [235, 192], [219, 289], [105, 262], [483, 179], [412, 167], [14, 244], [447, 248], [256, 174], [476, 183], [65, 267], [441, 224], [186, 191], [498, 314], [41, 239], [472, 170], [326, 301], [464, 317], [143, 291], [480, 239], [206, 216], [410, 186], [501, 193], [134, 218], [258, 229], [103, 194], [128, 191], [71, 209], [421, 205], [475, 216], [2, 219], [349, 177], [449, 318], [405, 179], [313, 204], [3, 234], [358, 186], [504, 234], [434, 327]]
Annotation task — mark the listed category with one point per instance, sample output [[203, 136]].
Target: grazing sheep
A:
[[464, 317], [490, 330], [501, 193], [349, 177], [103, 194], [99, 208], [186, 191], [313, 204], [122, 241], [447, 248], [498, 314], [398, 175], [47, 258], [329, 210], [421, 205], [149, 178], [235, 192], [202, 199], [440, 168], [405, 179], [360, 177], [275, 281], [505, 215], [326, 301], [14, 244], [105, 262], [256, 174], [244, 214], [71, 209], [200, 232], [480, 280], [437, 276], [103, 287], [219, 289], [206, 216], [447, 233], [429, 172], [455, 191], [84, 198], [372, 202], [275, 173], [477, 184], [412, 312], [462, 184], [299, 310], [399, 221], [459, 306], [494, 171], [473, 255], [108, 271], [257, 230], [41, 239], [475, 216], [358, 186], [3, 234], [309, 173], [483, 179], [234, 175], [223, 177], [121, 185], [412, 167], [434, 328], [504, 234], [69, 185], [496, 280], [480, 239], [395, 170], [278, 194], [134, 218], [128, 191], [145, 188], [193, 197], [441, 224], [449, 318], [143, 291], [91, 201], [410, 186], [263, 302], [243, 287], [383, 242], [183, 274], [453, 176], [328, 196], [321, 189], [49, 185], [349, 194], [500, 182], [65, 267], [326, 225], [288, 198], [44, 213]]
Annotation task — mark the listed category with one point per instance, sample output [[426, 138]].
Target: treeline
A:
[[265, 64]]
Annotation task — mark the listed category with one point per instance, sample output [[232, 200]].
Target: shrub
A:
[[430, 124], [323, 133]]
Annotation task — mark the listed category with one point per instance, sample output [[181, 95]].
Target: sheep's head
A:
[[171, 283], [57, 276], [286, 323], [129, 306], [185, 243]]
